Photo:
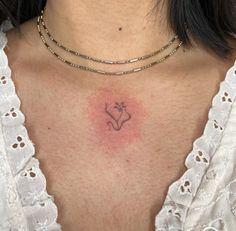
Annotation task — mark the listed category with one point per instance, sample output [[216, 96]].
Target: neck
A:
[[125, 28]]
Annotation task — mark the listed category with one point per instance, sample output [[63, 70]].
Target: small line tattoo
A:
[[123, 116]]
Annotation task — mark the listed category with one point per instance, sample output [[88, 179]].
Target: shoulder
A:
[[20, 51], [20, 43]]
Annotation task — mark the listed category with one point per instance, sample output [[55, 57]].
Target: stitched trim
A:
[[38, 206], [181, 192]]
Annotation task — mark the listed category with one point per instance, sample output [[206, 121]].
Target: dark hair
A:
[[211, 22]]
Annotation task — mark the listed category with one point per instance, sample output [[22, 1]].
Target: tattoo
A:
[[123, 116]]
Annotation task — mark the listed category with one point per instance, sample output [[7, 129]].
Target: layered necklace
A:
[[41, 25]]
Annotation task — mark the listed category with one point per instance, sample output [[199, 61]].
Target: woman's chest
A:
[[110, 169], [109, 157], [110, 152], [97, 190]]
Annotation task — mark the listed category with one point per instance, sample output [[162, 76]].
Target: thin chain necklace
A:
[[76, 53], [117, 73]]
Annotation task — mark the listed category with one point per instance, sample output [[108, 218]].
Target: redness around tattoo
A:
[[116, 119]]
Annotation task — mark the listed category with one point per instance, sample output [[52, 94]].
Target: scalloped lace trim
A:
[[181, 192], [37, 205]]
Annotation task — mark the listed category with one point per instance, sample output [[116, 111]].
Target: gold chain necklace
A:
[[118, 73], [100, 60]]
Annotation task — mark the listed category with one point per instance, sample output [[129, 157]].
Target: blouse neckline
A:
[[39, 207]]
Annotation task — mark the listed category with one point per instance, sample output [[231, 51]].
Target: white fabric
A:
[[203, 199], [24, 202]]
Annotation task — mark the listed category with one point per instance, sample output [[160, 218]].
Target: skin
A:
[[143, 29], [117, 122], [111, 176]]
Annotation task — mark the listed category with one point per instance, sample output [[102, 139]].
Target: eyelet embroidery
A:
[[185, 187], [174, 213], [3, 80], [29, 173], [200, 158], [19, 144], [217, 126], [209, 141], [226, 98], [11, 112]]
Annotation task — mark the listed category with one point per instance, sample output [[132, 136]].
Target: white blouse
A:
[[202, 199]]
